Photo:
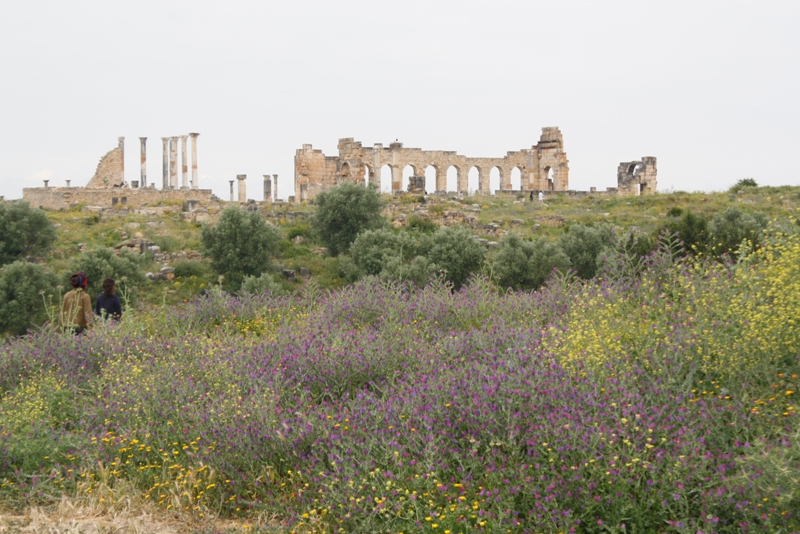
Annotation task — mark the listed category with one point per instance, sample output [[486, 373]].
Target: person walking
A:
[[76, 311], [107, 303]]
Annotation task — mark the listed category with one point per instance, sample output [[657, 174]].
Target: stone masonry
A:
[[107, 188], [637, 177], [543, 167]]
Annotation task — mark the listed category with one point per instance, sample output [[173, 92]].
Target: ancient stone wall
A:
[[111, 169], [542, 167], [637, 177], [56, 198]]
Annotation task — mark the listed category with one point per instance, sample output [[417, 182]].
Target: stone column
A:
[[45, 182], [195, 184], [121, 145], [462, 179], [275, 185], [483, 181], [267, 188], [68, 181], [441, 179], [184, 164], [242, 187], [397, 178], [165, 165], [143, 150], [231, 182], [505, 179], [173, 162]]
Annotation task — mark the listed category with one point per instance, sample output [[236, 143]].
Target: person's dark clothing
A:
[[108, 307]]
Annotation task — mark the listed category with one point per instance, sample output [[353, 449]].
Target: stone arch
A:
[[473, 179], [407, 172], [385, 179], [516, 178], [549, 176], [344, 173], [451, 182], [495, 179], [367, 175], [430, 178]]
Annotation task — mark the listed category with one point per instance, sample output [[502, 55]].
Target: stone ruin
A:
[[544, 167], [108, 188]]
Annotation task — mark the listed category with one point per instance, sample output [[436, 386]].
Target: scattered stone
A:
[[304, 272]]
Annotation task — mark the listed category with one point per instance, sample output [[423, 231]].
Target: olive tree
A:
[[345, 211], [456, 252], [241, 244], [25, 232], [524, 264], [24, 290]]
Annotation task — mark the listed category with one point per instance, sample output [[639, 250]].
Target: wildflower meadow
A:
[[660, 398]]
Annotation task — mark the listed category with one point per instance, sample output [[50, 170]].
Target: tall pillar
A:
[[267, 188], [397, 178], [505, 179], [195, 184], [184, 164], [242, 187], [275, 185], [121, 145], [483, 181], [143, 147], [441, 179], [231, 182], [462, 179], [173, 162], [165, 165]]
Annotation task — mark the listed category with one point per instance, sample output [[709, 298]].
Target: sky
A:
[[710, 88]]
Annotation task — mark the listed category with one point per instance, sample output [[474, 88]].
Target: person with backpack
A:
[[107, 303], [76, 311]]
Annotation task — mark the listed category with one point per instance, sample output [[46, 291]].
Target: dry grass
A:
[[126, 516]]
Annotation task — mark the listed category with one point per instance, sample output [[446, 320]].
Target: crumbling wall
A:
[[355, 163], [56, 198], [111, 169], [637, 177]]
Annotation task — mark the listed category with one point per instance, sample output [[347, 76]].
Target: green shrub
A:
[[692, 230], [455, 251], [345, 211], [527, 264], [371, 249], [25, 232], [418, 271], [733, 226], [421, 224], [241, 244], [264, 283], [187, 268], [741, 184], [675, 211], [101, 263], [583, 244], [22, 288], [299, 230]]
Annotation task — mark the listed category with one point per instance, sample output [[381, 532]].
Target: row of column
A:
[[268, 196], [462, 179], [169, 170]]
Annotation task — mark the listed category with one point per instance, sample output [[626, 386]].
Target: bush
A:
[[241, 244], [187, 268], [345, 211], [421, 224], [741, 184], [265, 283], [733, 226], [583, 244], [455, 251], [527, 264], [25, 232], [418, 271], [101, 263], [372, 249], [21, 303], [692, 230]]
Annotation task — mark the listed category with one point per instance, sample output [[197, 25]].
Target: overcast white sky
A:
[[711, 88]]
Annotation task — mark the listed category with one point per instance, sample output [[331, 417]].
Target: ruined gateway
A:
[[543, 167]]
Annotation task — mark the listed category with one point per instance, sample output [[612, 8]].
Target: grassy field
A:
[[661, 399]]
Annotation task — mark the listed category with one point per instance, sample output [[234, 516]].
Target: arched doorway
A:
[[494, 180], [430, 179], [473, 180], [386, 179], [452, 179], [516, 179]]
